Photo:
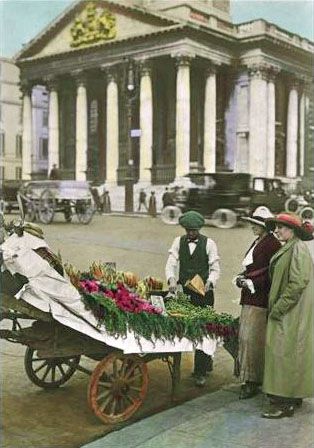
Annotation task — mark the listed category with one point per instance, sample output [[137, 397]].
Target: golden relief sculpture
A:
[[93, 25]]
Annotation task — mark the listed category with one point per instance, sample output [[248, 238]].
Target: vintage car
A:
[[224, 197]]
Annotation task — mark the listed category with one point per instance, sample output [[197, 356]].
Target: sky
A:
[[22, 20]]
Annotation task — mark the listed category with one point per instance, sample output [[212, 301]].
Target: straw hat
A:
[[304, 231], [259, 217]]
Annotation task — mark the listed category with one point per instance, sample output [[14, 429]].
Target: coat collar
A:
[[283, 249]]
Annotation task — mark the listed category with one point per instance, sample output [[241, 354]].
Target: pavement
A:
[[216, 420]]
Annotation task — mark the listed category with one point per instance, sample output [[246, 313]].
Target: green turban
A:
[[191, 220]]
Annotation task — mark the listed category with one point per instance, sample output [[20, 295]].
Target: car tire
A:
[[224, 218]]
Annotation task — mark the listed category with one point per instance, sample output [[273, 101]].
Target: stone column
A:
[[258, 122], [183, 116], [210, 121], [27, 133], [292, 130], [146, 124], [302, 132], [112, 133], [53, 125], [271, 124], [81, 128]]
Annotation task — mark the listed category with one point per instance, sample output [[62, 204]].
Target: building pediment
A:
[[88, 23]]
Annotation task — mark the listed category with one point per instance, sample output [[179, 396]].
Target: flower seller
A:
[[288, 374], [254, 282], [194, 254]]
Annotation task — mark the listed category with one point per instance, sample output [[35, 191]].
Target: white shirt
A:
[[172, 266]]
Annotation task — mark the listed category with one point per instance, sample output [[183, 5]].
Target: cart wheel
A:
[[46, 208], [49, 373], [224, 218], [85, 210], [117, 387], [171, 214], [68, 213]]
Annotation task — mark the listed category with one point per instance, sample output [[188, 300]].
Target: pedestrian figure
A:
[[167, 198], [54, 173], [190, 255], [142, 200], [288, 375], [106, 202], [254, 282], [152, 207]]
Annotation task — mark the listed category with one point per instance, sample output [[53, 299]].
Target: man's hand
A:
[[172, 282], [208, 286]]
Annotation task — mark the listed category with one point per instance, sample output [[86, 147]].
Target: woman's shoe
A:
[[248, 390], [275, 412]]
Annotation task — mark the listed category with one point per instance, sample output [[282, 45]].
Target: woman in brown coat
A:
[[255, 285]]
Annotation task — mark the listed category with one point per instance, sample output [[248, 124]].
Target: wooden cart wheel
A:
[[49, 373], [47, 206], [85, 209], [117, 387]]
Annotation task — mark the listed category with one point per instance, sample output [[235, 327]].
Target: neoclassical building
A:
[[153, 90]]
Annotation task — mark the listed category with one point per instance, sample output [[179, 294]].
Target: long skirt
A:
[[252, 343]]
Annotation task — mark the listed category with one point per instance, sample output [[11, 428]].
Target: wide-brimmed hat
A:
[[304, 230], [260, 216], [192, 220]]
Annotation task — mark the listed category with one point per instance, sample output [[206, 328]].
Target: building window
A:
[[1, 172], [44, 148], [18, 172], [45, 118], [18, 146], [2, 143]]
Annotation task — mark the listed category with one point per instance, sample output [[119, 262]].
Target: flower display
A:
[[120, 302]]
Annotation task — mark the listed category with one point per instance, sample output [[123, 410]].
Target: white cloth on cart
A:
[[50, 292]]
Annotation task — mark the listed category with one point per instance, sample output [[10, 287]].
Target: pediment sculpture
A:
[[93, 25]]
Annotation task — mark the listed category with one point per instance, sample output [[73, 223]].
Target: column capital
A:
[[183, 59], [26, 87], [211, 69], [294, 83], [258, 71], [272, 72], [110, 73], [145, 67], [52, 83], [80, 78]]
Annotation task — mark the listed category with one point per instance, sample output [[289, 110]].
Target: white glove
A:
[[208, 286], [172, 282]]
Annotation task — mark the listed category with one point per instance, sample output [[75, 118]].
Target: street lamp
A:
[[131, 96]]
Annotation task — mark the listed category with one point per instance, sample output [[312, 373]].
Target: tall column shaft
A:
[[146, 125], [302, 133], [183, 118], [292, 132], [258, 123], [81, 132], [53, 129], [112, 137], [27, 135], [210, 122], [271, 128]]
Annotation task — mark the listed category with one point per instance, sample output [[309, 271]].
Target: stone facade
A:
[[178, 88]]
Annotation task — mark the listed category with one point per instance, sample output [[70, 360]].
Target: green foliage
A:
[[188, 321]]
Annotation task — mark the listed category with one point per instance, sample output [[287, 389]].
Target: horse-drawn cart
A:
[[43, 199], [119, 382]]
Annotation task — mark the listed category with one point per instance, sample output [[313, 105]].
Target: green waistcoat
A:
[[197, 263]]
